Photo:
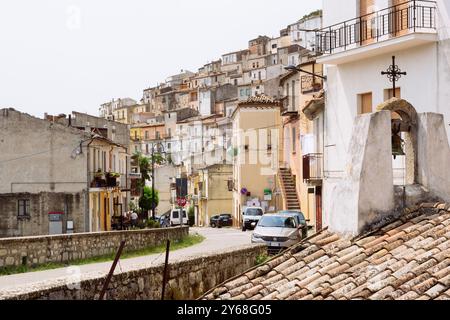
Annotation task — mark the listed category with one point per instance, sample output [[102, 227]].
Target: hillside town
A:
[[311, 164]]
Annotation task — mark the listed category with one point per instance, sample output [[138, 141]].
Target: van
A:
[[179, 217], [251, 217]]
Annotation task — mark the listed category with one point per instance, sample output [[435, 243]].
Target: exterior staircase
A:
[[289, 188]]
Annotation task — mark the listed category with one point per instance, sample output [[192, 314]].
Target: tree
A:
[[145, 202], [145, 166]]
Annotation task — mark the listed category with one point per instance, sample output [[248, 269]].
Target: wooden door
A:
[[319, 223], [367, 27]]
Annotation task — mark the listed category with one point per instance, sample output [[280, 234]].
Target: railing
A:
[[105, 180], [406, 17], [287, 107], [311, 84], [313, 167]]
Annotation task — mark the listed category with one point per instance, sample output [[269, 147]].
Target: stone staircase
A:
[[289, 188]]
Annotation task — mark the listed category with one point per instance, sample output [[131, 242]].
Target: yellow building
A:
[[213, 193], [257, 142], [108, 183]]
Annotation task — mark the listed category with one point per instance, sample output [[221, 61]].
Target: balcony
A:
[[399, 27], [287, 109], [313, 168], [100, 180]]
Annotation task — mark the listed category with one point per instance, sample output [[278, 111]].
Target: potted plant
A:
[[98, 180], [111, 180]]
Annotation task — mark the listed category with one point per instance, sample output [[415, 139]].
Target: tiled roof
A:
[[409, 259]]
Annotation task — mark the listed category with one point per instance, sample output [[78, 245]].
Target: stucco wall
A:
[[366, 193], [346, 81], [39, 156], [66, 248], [188, 280]]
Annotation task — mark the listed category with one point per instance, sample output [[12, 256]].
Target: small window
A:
[[365, 103], [23, 208], [294, 140]]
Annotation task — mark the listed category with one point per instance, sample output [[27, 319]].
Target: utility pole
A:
[[153, 182]]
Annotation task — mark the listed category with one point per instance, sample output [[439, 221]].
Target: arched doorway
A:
[[404, 124]]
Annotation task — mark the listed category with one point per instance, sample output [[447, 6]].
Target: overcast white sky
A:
[[57, 56]]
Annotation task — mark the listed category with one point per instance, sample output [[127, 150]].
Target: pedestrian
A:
[[134, 219]]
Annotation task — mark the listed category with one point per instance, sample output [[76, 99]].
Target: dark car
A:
[[222, 220]]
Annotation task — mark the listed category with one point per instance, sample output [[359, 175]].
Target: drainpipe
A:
[[88, 224]]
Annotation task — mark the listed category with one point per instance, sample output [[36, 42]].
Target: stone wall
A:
[[188, 280], [72, 205], [65, 248]]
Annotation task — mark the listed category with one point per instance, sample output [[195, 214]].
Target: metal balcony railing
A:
[[407, 17], [313, 167]]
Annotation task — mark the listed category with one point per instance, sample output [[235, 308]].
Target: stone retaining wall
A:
[[65, 248], [188, 280]]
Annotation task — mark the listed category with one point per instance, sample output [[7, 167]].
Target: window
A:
[[146, 135], [388, 93], [294, 140], [365, 103], [23, 208], [293, 95]]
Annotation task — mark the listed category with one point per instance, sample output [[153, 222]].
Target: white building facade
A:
[[362, 38]]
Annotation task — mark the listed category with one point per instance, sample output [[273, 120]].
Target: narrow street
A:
[[216, 240]]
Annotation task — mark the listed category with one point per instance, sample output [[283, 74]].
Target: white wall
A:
[[345, 82], [338, 11]]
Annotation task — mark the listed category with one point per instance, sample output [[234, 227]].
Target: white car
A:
[[178, 217], [278, 231], [251, 217]]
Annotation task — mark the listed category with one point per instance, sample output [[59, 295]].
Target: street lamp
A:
[[159, 144], [294, 68]]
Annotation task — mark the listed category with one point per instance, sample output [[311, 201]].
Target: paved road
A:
[[216, 240]]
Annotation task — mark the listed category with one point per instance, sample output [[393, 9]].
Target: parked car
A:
[[222, 220], [300, 217], [178, 217], [251, 217], [164, 221], [278, 232]]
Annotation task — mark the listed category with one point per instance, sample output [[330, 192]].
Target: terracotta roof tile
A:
[[407, 259], [441, 274], [444, 265], [286, 264], [408, 286], [253, 291], [442, 255], [445, 281], [314, 256], [351, 255], [425, 285], [409, 296], [436, 291], [383, 293]]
